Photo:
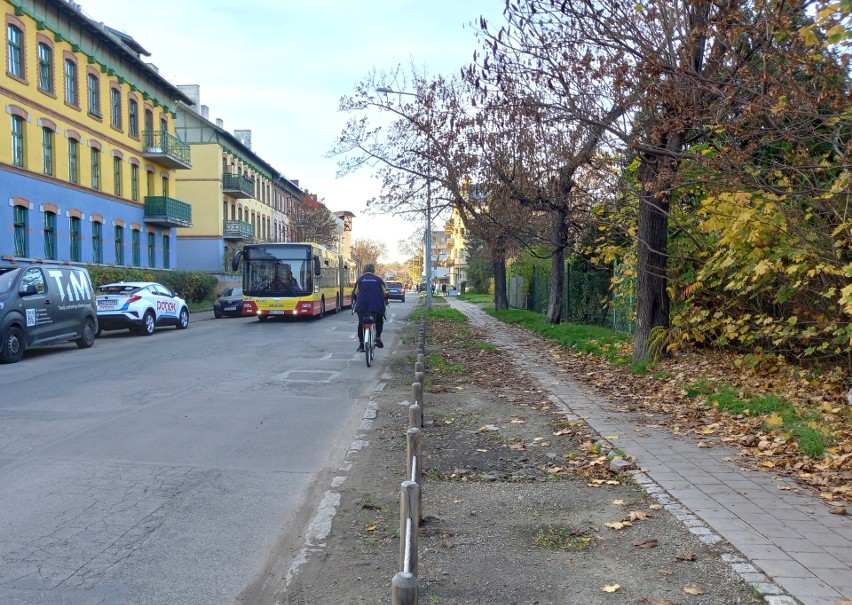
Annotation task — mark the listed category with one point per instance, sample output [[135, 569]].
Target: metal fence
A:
[[587, 298]]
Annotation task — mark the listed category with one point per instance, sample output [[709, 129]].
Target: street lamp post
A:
[[427, 260]]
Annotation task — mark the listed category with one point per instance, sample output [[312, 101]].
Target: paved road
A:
[[787, 539], [179, 468]]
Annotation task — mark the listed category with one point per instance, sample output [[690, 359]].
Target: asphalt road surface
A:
[[177, 468]]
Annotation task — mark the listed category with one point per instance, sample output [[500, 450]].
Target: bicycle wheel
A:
[[368, 344]]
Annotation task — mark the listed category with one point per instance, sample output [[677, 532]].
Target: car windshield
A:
[[124, 289], [231, 292], [7, 279]]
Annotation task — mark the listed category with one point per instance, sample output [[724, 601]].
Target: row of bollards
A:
[[405, 587]]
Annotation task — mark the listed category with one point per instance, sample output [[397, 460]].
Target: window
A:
[[136, 246], [15, 51], [149, 176], [94, 92], [73, 161], [134, 182], [50, 235], [72, 93], [47, 150], [20, 220], [115, 107], [116, 175], [119, 245], [151, 250], [75, 238], [165, 186], [18, 141], [97, 242], [166, 241], [149, 130], [96, 168], [45, 68], [133, 118]]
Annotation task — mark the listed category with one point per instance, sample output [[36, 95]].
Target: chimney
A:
[[205, 112], [193, 91], [220, 123], [244, 136]]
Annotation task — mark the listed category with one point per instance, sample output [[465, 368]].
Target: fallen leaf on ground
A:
[[618, 502], [638, 515], [656, 507], [650, 543], [693, 590], [371, 527], [685, 556], [518, 420], [488, 428], [619, 524], [611, 587]]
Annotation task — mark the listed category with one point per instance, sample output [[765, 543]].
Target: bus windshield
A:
[[272, 273]]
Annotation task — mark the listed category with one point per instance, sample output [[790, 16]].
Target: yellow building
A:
[[236, 196], [456, 253], [89, 159]]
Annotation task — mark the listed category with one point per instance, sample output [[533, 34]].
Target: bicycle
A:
[[368, 322]]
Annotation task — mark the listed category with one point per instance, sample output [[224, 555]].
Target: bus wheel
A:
[[337, 307], [322, 308]]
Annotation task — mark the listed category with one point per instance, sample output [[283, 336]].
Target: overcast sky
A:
[[279, 68]]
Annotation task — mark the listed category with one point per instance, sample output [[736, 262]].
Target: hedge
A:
[[193, 287]]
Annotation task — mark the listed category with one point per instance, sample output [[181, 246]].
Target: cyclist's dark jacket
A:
[[371, 293]]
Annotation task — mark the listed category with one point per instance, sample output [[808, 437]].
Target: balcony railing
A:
[[236, 185], [166, 149], [237, 230], [167, 212]]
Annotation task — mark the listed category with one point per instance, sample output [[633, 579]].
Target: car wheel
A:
[[148, 324], [217, 313], [87, 339], [183, 320], [12, 347]]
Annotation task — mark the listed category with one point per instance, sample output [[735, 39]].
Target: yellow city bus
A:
[[292, 279]]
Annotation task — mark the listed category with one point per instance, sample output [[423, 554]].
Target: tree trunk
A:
[[558, 241], [652, 298], [498, 266]]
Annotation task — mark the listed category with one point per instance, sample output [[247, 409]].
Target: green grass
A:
[[483, 345], [565, 539], [803, 427], [473, 297], [446, 313], [593, 340], [437, 365]]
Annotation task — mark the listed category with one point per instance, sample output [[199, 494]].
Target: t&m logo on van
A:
[[77, 288]]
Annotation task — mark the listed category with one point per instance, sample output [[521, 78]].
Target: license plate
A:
[[106, 304], [276, 312], [230, 308]]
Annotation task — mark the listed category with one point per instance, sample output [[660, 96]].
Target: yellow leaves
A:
[[774, 420], [611, 587], [693, 590], [618, 525]]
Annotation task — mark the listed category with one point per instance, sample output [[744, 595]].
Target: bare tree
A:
[[314, 222]]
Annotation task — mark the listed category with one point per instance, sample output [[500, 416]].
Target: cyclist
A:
[[370, 296]]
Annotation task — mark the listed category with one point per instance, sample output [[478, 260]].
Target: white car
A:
[[140, 306]]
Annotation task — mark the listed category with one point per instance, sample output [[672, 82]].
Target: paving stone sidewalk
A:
[[787, 539]]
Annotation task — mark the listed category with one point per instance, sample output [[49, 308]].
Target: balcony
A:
[[166, 149], [167, 212], [237, 230], [237, 186]]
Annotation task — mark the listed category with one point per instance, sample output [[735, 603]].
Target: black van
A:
[[43, 305]]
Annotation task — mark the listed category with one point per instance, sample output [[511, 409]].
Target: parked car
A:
[[43, 305], [396, 291], [230, 302], [140, 306]]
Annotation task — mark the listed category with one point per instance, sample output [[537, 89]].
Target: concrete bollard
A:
[[418, 367], [421, 378], [405, 589], [408, 515], [414, 467], [417, 392], [415, 416]]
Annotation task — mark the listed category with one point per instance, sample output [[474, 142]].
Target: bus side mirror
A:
[[317, 266], [235, 262]]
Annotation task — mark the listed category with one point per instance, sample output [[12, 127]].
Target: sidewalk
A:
[[790, 537]]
